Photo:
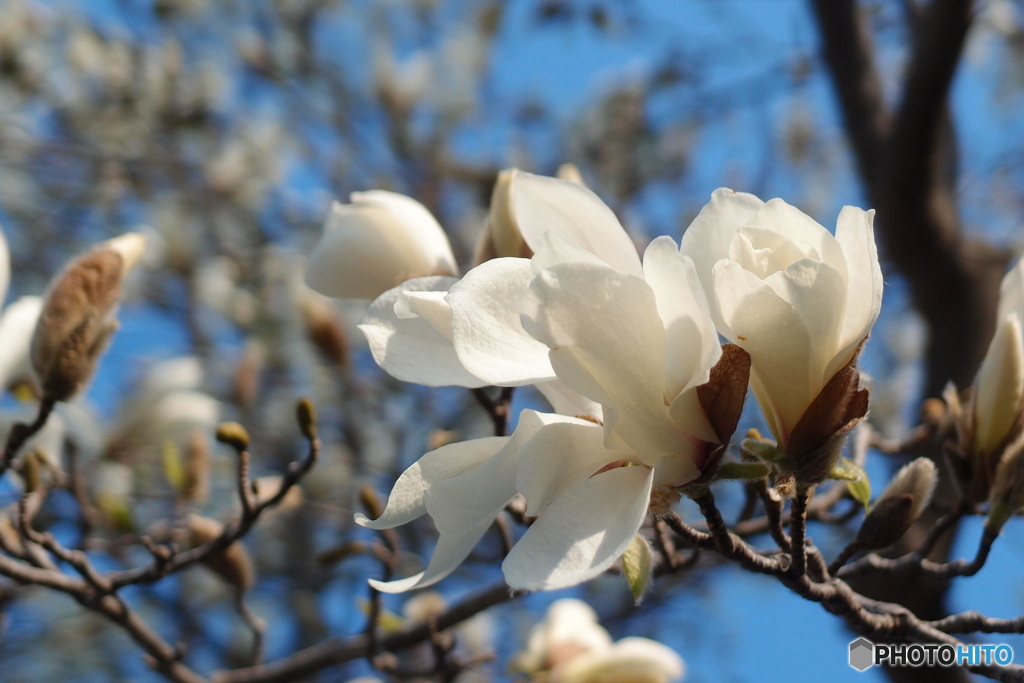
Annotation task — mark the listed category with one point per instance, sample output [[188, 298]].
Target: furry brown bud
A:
[[77, 319]]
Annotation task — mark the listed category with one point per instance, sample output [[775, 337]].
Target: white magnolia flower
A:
[[376, 242], [17, 324], [799, 300], [635, 339], [570, 646]]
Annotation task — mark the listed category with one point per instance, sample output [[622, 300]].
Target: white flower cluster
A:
[[626, 350]]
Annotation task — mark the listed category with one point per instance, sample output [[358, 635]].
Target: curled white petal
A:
[[410, 347], [541, 204], [582, 532]]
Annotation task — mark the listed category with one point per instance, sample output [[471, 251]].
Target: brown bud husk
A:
[[234, 435], [817, 440], [232, 564], [77, 319], [722, 398]]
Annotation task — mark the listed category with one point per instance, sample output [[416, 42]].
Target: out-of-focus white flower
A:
[[570, 646], [635, 339], [799, 300], [17, 325], [372, 244]]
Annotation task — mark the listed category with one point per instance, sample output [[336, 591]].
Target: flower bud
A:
[[234, 435], [77, 319], [232, 564], [899, 506], [196, 485], [305, 413], [375, 243]]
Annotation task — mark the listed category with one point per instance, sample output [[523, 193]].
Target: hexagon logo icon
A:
[[862, 654]]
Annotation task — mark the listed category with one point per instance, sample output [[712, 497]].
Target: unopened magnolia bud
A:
[[916, 479], [232, 564], [196, 485], [888, 520], [305, 414], [77, 319], [234, 435]]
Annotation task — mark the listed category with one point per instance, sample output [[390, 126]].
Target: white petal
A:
[[789, 221], [1011, 292], [463, 487], [566, 401], [543, 204], [410, 348], [557, 456], [818, 295], [5, 268], [690, 336], [607, 342], [460, 501], [582, 532], [488, 336], [687, 412], [707, 239], [855, 234], [374, 244], [554, 249], [767, 328], [449, 553], [16, 328], [422, 228], [406, 501], [1000, 385]]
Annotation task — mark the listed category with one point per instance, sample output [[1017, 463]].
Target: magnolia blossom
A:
[[376, 242], [612, 339], [799, 300], [991, 421], [570, 646]]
